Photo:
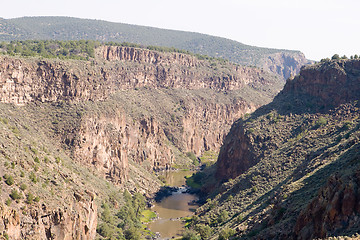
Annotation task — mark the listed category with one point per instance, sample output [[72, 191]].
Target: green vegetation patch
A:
[[147, 216], [79, 50], [209, 158]]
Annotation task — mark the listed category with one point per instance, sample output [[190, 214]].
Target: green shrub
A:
[[226, 233], [22, 174], [223, 216], [203, 230], [37, 160], [29, 198], [34, 150], [162, 178], [4, 120], [33, 178], [15, 195], [321, 122], [23, 186], [6, 236], [8, 202], [132, 234], [190, 235], [193, 157], [335, 57], [9, 180], [347, 125], [105, 230]]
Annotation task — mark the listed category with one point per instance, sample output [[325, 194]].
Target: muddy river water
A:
[[172, 208]]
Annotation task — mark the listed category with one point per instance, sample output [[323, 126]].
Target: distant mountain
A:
[[282, 62]]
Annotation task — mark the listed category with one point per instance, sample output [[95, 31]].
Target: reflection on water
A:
[[176, 179], [172, 208]]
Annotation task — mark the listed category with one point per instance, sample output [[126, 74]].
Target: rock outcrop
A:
[[285, 64], [335, 209], [236, 156], [330, 84], [77, 221]]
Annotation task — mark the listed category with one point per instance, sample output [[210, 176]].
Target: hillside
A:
[[282, 62], [291, 169], [75, 134]]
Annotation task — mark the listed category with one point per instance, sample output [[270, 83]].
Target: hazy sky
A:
[[318, 28]]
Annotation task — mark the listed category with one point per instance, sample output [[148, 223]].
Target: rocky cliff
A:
[[235, 149], [336, 209], [285, 64], [290, 169], [329, 84], [26, 80], [76, 221]]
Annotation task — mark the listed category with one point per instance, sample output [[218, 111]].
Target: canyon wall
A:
[[107, 141], [331, 83], [26, 80], [285, 64], [77, 221], [336, 208]]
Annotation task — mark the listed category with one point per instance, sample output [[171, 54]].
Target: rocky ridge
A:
[[290, 170]]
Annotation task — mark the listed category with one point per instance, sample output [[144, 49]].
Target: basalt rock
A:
[[26, 80], [335, 209], [77, 221], [236, 154], [329, 84]]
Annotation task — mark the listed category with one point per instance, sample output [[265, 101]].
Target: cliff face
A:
[[237, 145], [285, 64], [107, 142], [78, 221], [331, 83], [26, 80], [336, 208]]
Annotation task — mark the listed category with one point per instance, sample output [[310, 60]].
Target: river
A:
[[172, 208]]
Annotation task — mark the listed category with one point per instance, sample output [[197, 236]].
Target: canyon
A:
[[115, 119]]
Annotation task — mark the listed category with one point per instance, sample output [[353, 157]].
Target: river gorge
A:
[[171, 209]]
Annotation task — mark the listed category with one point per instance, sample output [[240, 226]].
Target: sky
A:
[[318, 28]]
